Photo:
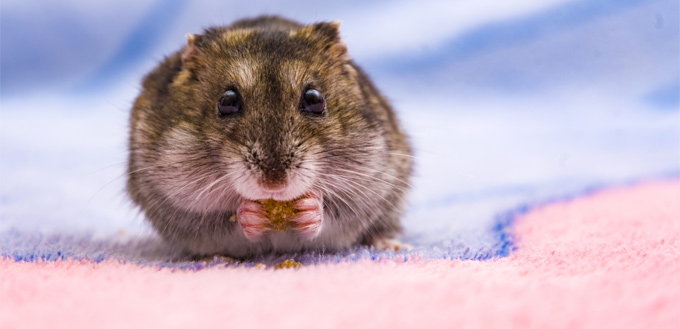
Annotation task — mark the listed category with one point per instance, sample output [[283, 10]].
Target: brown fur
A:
[[181, 148]]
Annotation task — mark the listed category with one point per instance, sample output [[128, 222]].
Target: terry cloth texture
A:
[[610, 259]]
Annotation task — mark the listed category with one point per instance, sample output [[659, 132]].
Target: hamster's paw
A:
[[382, 243], [216, 260], [309, 219], [251, 217]]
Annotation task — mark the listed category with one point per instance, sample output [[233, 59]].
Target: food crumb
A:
[[279, 213], [288, 263]]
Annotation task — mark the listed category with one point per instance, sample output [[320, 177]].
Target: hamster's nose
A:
[[272, 168], [274, 176]]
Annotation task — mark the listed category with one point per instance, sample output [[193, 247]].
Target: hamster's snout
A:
[[275, 174], [273, 169]]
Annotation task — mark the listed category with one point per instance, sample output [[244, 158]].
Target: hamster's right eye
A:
[[229, 103], [313, 102]]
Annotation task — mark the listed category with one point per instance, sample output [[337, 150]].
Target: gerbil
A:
[[267, 109]]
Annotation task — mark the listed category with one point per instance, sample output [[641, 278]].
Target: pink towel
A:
[[607, 260]]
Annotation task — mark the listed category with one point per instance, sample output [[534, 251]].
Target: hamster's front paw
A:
[[304, 215], [251, 217], [382, 243], [309, 218]]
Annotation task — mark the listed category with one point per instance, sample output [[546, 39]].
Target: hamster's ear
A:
[[190, 52], [330, 30], [328, 33], [190, 60]]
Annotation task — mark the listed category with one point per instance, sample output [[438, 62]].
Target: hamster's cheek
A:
[[189, 177]]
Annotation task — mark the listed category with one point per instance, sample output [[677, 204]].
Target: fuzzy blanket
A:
[[608, 259]]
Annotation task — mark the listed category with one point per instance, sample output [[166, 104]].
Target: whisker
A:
[[374, 177], [372, 191], [403, 155], [359, 217], [225, 176], [104, 168]]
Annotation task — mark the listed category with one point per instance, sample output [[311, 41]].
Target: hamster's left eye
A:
[[313, 102], [229, 103]]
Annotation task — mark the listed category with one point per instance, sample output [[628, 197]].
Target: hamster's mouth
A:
[[255, 191], [281, 196], [278, 196]]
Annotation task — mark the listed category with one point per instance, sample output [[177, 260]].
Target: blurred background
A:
[[508, 103]]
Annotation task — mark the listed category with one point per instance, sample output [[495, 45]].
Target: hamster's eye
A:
[[313, 102], [229, 103]]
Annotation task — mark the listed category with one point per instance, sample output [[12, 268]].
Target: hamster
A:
[[267, 108]]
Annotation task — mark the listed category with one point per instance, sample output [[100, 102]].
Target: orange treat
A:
[[288, 263], [279, 213]]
